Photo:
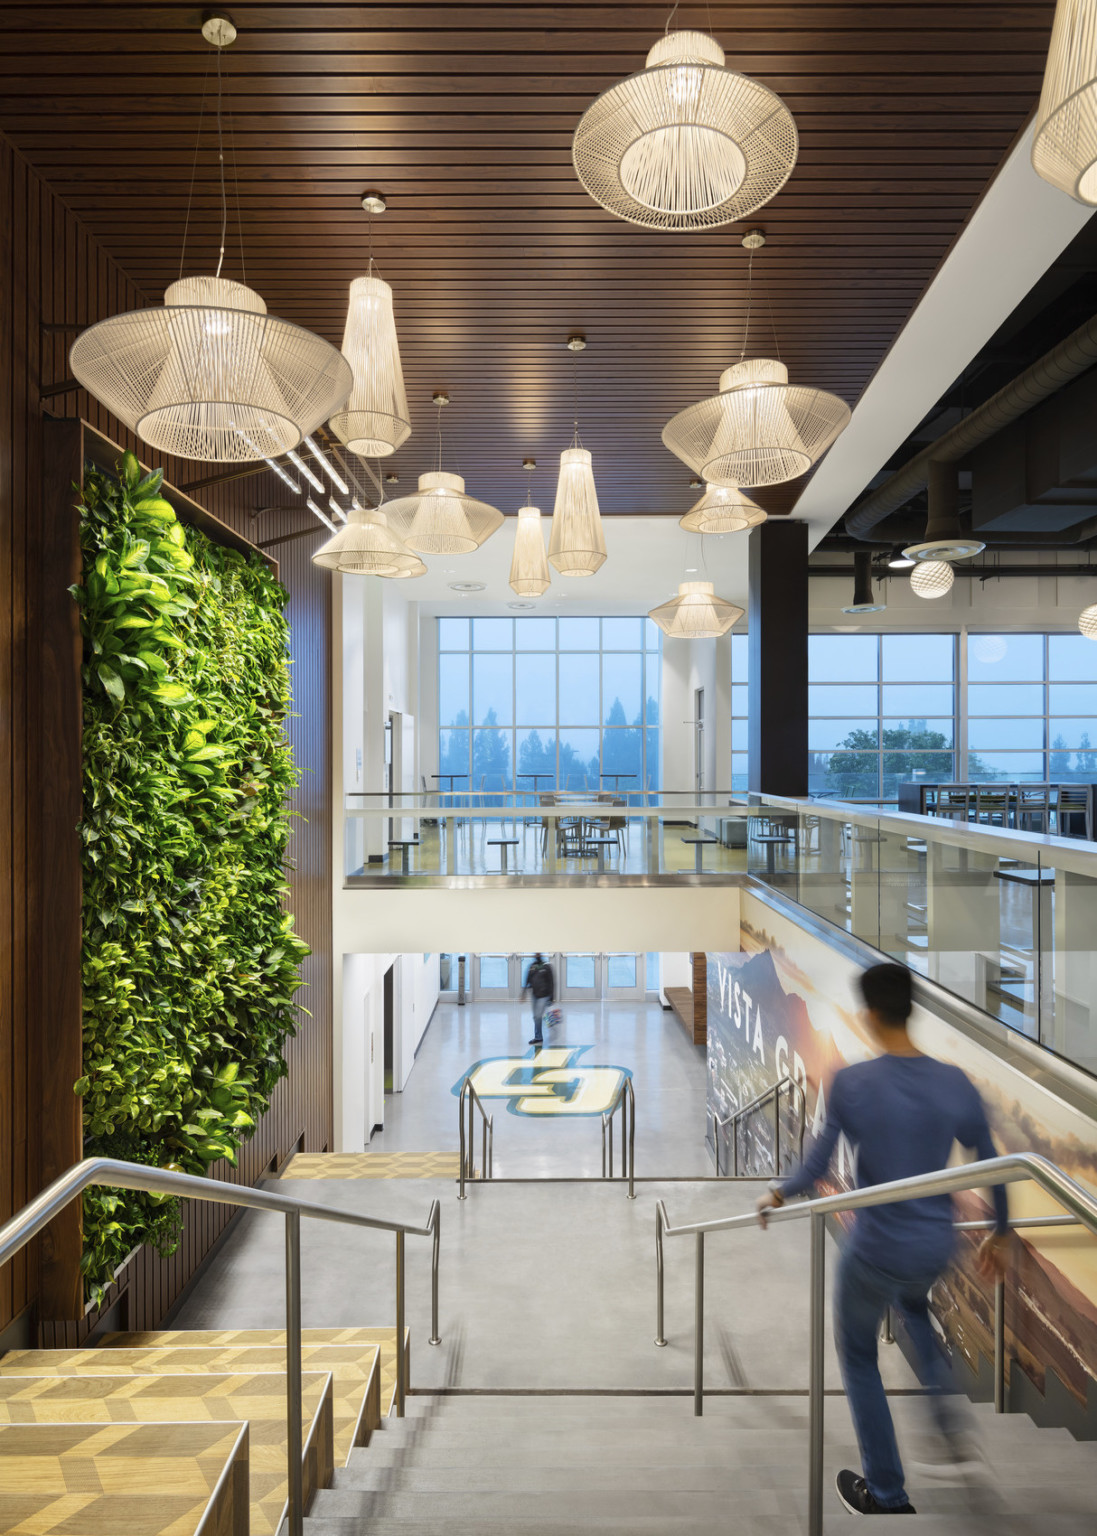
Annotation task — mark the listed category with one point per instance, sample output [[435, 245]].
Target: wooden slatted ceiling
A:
[[463, 114]]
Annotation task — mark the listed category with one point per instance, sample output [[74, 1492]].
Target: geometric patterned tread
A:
[[136, 1479], [372, 1165]]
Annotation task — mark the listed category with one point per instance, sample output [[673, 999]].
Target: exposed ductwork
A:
[[1064, 363]]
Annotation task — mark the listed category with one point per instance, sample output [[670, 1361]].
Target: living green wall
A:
[[190, 963]]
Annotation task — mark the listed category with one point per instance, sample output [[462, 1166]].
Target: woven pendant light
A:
[[759, 430], [1064, 146], [210, 375], [722, 509], [931, 578], [367, 546], [686, 143], [529, 571], [375, 420], [696, 613], [577, 546], [1087, 622], [441, 519]]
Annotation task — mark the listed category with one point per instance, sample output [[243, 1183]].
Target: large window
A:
[[881, 711], [568, 703], [1032, 708]]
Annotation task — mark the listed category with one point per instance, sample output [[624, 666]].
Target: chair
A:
[[1034, 807], [1073, 810], [993, 804], [954, 802]]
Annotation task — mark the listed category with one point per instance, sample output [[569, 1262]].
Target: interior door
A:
[[623, 978], [493, 978], [578, 978]]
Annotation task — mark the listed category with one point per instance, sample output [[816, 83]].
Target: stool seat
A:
[[503, 843]]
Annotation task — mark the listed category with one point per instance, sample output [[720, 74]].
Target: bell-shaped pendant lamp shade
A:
[[722, 509], [931, 578], [686, 143], [441, 519], [374, 421], [209, 375], [1087, 622], [367, 546], [759, 430], [529, 570], [577, 545], [696, 613], [1064, 146]]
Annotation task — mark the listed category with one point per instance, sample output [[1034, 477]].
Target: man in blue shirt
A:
[[902, 1111]]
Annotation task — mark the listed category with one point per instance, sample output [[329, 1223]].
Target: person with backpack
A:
[[901, 1111], [541, 985]]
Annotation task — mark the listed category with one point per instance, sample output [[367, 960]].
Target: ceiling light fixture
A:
[[722, 509], [1064, 145], [367, 546], [441, 519], [899, 560], [1087, 622], [760, 429], [375, 420], [931, 578], [316, 512], [529, 570], [864, 599], [285, 479], [209, 375], [944, 538], [696, 613], [577, 545], [310, 474], [327, 466], [467, 586], [686, 143]]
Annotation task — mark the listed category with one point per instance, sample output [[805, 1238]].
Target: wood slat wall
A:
[[56, 274]]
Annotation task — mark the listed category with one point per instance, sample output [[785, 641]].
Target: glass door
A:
[[577, 978], [492, 978], [623, 978]]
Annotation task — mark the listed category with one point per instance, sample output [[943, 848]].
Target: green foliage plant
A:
[[190, 962]]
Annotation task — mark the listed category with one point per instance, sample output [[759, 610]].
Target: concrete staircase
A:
[[556, 1465]]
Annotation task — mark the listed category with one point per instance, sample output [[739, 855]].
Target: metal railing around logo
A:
[[467, 1174], [774, 1092], [625, 1102], [111, 1174], [1078, 1202]]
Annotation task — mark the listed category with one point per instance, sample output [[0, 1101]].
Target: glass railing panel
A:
[[1067, 917]]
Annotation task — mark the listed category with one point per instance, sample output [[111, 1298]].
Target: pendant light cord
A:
[[670, 18], [194, 169], [750, 303], [439, 437], [221, 166], [577, 441]]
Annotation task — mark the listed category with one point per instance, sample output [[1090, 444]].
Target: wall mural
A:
[[786, 1004]]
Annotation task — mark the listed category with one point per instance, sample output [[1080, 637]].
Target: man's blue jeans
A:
[[862, 1295]]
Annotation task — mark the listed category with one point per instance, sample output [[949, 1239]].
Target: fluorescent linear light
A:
[[286, 479], [323, 516], [299, 463], [328, 468], [337, 509]]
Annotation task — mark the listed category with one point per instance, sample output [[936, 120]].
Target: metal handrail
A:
[[115, 1174], [1012, 1168], [625, 1101], [773, 1092], [467, 1171]]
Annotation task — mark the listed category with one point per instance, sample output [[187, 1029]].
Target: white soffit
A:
[[1018, 229]]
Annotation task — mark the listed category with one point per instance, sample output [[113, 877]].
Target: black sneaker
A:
[[855, 1494], [536, 1042]]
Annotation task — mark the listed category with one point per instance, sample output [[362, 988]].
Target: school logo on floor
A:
[[548, 1082]]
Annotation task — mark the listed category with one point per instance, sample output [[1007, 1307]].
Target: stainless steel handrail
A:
[[625, 1101], [113, 1174], [773, 1092], [467, 1171], [1012, 1168]]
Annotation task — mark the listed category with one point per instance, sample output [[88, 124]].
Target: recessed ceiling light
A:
[[392, 477], [577, 342], [521, 605], [468, 586], [691, 570]]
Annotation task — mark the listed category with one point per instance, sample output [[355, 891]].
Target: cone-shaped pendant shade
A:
[[722, 509], [529, 571], [441, 519], [696, 613], [686, 143], [210, 375], [367, 546], [759, 430], [1064, 146], [374, 421], [577, 546]]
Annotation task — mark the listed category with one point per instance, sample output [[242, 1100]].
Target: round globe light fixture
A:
[[931, 578], [1087, 622]]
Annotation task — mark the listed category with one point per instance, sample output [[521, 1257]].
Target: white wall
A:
[[675, 970], [687, 666], [359, 1072]]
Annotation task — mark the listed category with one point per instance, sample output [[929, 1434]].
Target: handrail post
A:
[[735, 1146], [603, 1146], [461, 1132], [631, 1142], [491, 1146], [815, 1374], [699, 1329], [401, 1355], [296, 1502], [436, 1215], [660, 1336], [999, 1346], [777, 1132], [716, 1140]]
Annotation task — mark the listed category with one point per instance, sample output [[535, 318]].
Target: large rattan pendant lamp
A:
[[529, 568], [375, 420], [441, 519], [1064, 146], [759, 429], [577, 545], [367, 546], [696, 613], [687, 143], [723, 509], [209, 375]]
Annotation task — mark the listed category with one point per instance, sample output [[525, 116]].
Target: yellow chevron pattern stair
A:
[[257, 1399], [136, 1479], [372, 1165]]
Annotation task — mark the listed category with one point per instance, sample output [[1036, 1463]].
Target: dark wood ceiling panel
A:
[[463, 114]]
